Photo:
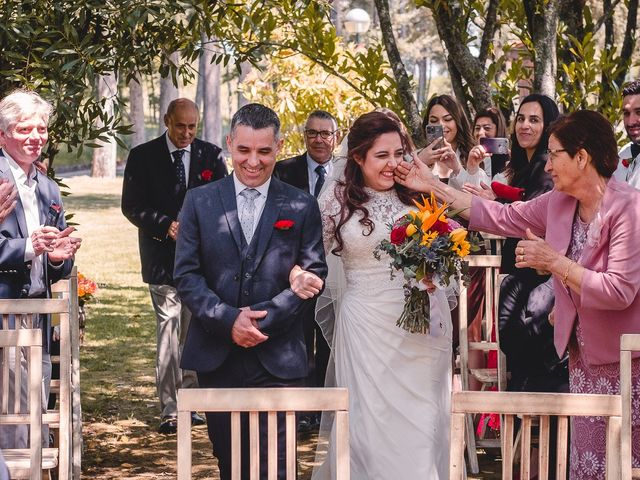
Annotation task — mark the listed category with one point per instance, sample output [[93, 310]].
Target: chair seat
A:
[[18, 461]]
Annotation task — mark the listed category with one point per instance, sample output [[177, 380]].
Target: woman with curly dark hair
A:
[[399, 382]]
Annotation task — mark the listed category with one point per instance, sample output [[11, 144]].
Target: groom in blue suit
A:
[[239, 240]]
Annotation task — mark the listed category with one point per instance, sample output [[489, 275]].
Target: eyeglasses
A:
[[326, 134], [552, 153]]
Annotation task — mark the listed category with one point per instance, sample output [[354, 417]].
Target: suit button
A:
[[249, 257], [29, 267], [236, 277], [246, 293], [247, 275]]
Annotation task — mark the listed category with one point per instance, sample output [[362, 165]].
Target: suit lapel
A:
[[195, 164], [228, 197], [43, 196], [303, 172], [19, 210], [275, 200]]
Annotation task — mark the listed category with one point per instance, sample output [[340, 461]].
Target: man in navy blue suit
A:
[[36, 248], [239, 240]]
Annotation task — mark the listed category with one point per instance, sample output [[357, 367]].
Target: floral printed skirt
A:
[[588, 434]]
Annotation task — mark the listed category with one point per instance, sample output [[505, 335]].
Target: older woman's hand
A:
[[476, 156], [535, 253], [415, 176], [483, 190]]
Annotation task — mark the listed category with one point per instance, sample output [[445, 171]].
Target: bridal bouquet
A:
[[425, 243]]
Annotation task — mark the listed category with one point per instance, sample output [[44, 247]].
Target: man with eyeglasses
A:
[[628, 169], [308, 172]]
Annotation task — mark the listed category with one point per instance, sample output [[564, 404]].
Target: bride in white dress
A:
[[399, 383]]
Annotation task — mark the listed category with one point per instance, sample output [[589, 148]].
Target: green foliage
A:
[[60, 47], [294, 86]]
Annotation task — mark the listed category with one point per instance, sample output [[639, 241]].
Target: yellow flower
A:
[[411, 229], [462, 249], [427, 238], [458, 235]]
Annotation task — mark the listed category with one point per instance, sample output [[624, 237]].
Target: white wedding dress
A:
[[399, 383]]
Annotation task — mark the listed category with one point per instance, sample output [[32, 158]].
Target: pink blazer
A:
[[609, 304]]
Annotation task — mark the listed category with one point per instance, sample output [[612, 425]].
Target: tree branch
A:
[[405, 90], [629, 40], [490, 27]]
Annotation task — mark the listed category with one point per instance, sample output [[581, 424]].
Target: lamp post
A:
[[357, 21]]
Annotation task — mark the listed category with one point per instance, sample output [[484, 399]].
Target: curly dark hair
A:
[[351, 192]]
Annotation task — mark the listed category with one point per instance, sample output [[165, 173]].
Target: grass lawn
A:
[[120, 407]]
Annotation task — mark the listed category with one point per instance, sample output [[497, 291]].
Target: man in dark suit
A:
[[36, 248], [239, 240], [156, 179], [308, 172]]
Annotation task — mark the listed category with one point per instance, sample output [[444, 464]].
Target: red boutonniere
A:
[[626, 162], [283, 224], [206, 175]]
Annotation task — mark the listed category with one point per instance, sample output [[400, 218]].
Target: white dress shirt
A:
[[186, 156], [313, 175], [28, 198], [630, 174], [259, 202]]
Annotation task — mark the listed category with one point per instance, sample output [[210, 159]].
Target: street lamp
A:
[[357, 21]]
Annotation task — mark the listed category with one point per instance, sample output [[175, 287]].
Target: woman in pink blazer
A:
[[586, 233]]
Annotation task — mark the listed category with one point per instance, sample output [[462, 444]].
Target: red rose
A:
[[398, 234], [206, 175], [440, 227], [283, 224], [626, 162]]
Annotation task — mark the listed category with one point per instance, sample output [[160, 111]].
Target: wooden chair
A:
[[70, 327], [24, 462], [528, 406], [272, 401], [629, 343], [26, 313], [486, 376]]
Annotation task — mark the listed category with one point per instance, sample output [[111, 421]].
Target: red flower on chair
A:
[[284, 224]]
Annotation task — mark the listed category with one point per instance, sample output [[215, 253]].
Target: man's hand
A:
[[8, 194], [245, 329], [304, 284], [64, 246], [43, 239], [173, 230]]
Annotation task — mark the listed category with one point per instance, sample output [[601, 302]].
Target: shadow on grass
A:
[[92, 202]]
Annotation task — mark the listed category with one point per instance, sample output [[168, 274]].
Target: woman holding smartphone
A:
[[488, 123], [447, 154]]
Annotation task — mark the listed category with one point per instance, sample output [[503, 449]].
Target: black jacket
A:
[[151, 199]]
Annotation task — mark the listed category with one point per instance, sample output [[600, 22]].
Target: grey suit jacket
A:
[[217, 273]]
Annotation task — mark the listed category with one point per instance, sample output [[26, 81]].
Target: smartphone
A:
[[434, 132], [497, 145]]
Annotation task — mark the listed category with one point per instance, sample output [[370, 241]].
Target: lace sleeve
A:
[[330, 213]]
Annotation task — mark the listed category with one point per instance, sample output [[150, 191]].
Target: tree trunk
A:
[[103, 164], [136, 113], [210, 76], [168, 92], [629, 43], [245, 68], [544, 37], [200, 84], [469, 67], [422, 82], [405, 90]]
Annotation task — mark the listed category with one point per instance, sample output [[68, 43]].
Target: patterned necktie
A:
[[247, 216], [320, 182], [179, 166]]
